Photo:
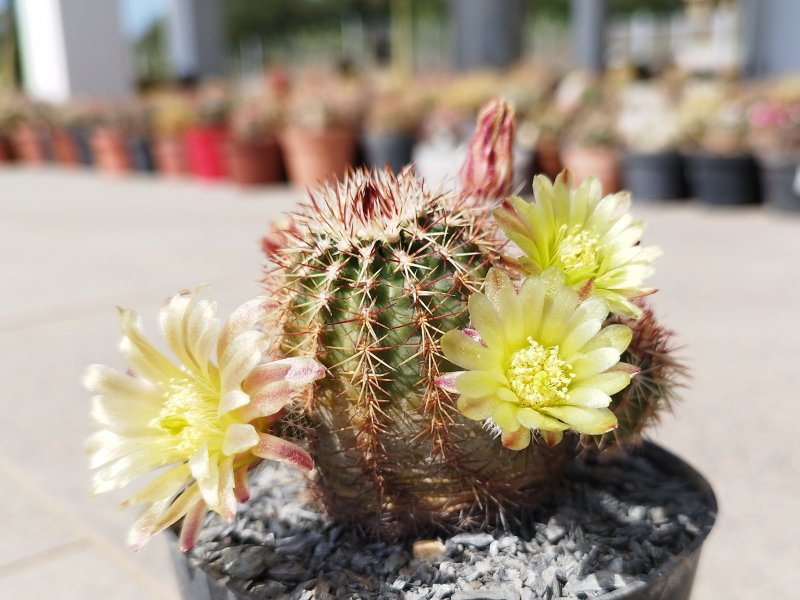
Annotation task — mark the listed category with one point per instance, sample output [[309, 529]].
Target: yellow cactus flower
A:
[[205, 425], [538, 359], [591, 237]]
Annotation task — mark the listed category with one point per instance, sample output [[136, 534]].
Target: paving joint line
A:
[[107, 549], [44, 556]]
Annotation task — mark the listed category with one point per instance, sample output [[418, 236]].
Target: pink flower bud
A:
[[488, 169]]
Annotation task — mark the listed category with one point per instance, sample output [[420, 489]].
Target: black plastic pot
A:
[[654, 176], [722, 179], [778, 177], [672, 581], [381, 149], [141, 154], [80, 137]]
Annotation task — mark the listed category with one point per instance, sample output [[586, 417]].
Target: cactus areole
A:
[[371, 272]]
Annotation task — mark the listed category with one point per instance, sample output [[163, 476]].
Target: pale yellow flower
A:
[[538, 359], [591, 237], [205, 425]]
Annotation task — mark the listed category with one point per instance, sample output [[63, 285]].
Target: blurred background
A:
[[145, 145], [666, 97]]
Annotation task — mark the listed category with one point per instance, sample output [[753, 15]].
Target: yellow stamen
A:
[[189, 414], [538, 375], [578, 252]]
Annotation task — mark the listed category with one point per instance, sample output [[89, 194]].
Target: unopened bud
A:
[[488, 169]]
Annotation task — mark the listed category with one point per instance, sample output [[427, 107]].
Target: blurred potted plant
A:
[[440, 384], [775, 133], [173, 114], [72, 127], [720, 168], [252, 152], [591, 148], [30, 137], [649, 126], [140, 114], [109, 141], [319, 139], [9, 118], [452, 105], [390, 129], [206, 137]]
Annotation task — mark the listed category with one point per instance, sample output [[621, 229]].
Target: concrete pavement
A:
[[73, 245]]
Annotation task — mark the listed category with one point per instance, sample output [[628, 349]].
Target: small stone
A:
[[399, 584], [244, 562], [554, 534], [291, 571], [443, 590], [487, 594], [269, 589], [428, 549], [637, 513], [476, 540]]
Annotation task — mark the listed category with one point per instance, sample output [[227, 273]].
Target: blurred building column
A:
[[589, 34], [196, 38], [772, 41], [73, 48], [488, 33]]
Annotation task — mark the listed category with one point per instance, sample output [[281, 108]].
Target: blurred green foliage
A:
[[246, 19]]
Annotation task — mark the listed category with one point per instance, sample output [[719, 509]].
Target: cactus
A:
[[372, 272]]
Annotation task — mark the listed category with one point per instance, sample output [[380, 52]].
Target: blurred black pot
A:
[[723, 179], [778, 180], [387, 148], [80, 137], [654, 176], [141, 154]]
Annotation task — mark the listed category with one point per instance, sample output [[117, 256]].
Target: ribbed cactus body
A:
[[372, 273]]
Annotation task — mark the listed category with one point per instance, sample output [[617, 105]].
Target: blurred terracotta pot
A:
[[547, 158], [204, 150], [64, 148], [6, 151], [110, 150], [316, 156], [30, 144], [593, 161], [253, 162], [169, 153]]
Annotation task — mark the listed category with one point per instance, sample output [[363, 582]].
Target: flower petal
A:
[[239, 437], [462, 350], [205, 470], [536, 420], [476, 384], [591, 421], [589, 397], [140, 354], [275, 448], [163, 487], [609, 382], [516, 440], [505, 415], [192, 524], [596, 361], [476, 409], [614, 336]]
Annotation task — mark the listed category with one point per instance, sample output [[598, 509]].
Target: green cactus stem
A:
[[371, 272]]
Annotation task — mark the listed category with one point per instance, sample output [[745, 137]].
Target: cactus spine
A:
[[372, 271]]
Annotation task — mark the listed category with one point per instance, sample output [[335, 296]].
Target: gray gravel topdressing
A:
[[613, 524]]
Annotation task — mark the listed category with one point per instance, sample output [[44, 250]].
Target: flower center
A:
[[578, 254], [189, 414], [538, 375]]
